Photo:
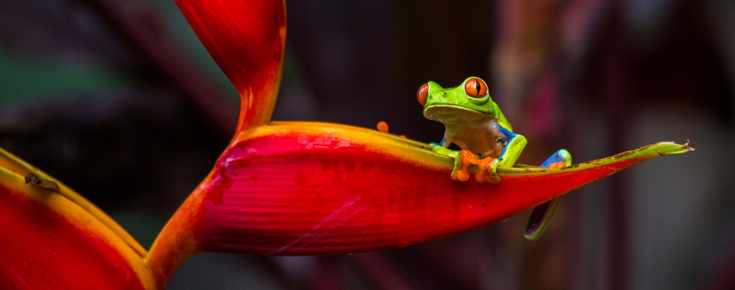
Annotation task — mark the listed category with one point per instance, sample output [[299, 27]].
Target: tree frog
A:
[[475, 123]]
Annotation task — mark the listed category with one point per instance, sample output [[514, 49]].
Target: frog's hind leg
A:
[[541, 215]]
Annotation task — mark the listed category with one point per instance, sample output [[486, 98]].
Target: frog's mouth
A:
[[452, 114]]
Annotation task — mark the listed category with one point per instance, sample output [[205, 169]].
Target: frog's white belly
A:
[[478, 136]]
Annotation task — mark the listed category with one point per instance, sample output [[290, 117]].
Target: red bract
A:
[[281, 188], [247, 40], [57, 240], [42, 243], [321, 189]]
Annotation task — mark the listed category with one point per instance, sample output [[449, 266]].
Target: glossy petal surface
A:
[[49, 242], [247, 40], [294, 188], [12, 163]]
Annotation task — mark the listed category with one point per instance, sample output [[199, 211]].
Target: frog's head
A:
[[457, 105]]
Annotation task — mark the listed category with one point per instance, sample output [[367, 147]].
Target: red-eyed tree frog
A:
[[475, 123]]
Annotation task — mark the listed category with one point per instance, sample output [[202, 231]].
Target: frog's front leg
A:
[[462, 159], [508, 158]]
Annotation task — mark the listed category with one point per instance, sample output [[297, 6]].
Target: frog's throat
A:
[[454, 114]]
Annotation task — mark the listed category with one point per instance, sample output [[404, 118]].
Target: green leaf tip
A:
[[666, 148]]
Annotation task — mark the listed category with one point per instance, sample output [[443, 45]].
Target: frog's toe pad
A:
[[485, 171], [461, 176], [557, 165], [466, 158]]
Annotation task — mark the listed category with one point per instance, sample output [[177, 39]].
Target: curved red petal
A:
[[48, 242], [247, 40], [323, 189]]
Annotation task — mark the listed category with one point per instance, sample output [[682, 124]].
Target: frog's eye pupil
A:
[[475, 88]]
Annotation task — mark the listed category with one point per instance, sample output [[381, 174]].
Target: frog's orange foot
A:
[[557, 165], [467, 158], [485, 172]]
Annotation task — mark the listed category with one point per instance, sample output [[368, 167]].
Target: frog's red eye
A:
[[475, 88], [422, 94]]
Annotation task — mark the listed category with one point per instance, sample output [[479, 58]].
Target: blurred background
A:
[[119, 100]]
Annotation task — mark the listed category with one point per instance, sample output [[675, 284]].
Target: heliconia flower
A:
[[58, 240], [279, 188]]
